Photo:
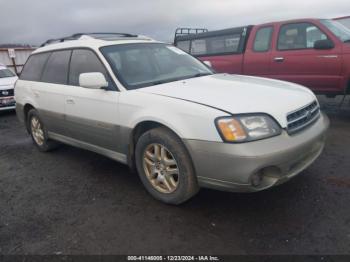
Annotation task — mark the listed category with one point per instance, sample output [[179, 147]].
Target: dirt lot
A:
[[72, 201]]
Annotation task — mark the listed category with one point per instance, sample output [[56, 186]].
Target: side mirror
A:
[[93, 80], [208, 63], [323, 44]]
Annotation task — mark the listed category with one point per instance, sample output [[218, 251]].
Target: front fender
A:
[[188, 120]]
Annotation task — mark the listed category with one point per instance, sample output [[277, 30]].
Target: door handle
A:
[[279, 59], [70, 101]]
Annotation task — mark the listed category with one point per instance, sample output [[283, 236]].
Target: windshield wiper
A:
[[347, 41], [177, 79], [202, 74]]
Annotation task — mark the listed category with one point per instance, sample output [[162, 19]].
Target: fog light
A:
[[256, 180]]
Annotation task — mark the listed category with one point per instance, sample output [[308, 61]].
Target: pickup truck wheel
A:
[[39, 133], [165, 167]]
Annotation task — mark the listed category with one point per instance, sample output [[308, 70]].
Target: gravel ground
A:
[[72, 201]]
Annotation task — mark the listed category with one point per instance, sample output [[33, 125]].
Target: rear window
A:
[[34, 67], [56, 70]]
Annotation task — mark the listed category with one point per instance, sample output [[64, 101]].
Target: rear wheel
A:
[[165, 167], [39, 133]]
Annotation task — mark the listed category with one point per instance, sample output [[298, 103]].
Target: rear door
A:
[[294, 58], [91, 114], [257, 58], [48, 73]]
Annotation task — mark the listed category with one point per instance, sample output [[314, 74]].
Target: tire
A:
[[44, 144], [158, 174]]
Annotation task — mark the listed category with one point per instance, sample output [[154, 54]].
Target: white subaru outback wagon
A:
[[167, 115]]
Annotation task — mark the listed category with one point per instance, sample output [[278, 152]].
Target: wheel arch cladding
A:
[[27, 107], [138, 131]]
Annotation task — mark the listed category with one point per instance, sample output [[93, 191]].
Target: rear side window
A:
[[299, 36], [199, 47], [215, 45], [85, 61], [263, 39], [184, 45], [56, 70], [34, 67]]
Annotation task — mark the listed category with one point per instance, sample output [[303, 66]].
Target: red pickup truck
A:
[[311, 52]]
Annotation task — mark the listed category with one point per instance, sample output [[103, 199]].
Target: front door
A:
[[91, 114], [294, 59]]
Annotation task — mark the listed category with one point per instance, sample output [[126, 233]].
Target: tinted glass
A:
[[223, 44], [141, 65], [85, 61], [263, 39], [299, 36], [6, 73], [56, 70], [184, 45], [33, 68], [216, 45]]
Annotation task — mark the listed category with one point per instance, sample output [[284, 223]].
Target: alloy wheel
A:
[[161, 168]]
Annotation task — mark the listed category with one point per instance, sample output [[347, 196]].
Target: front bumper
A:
[[233, 167]]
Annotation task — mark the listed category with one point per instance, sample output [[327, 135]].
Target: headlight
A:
[[246, 128]]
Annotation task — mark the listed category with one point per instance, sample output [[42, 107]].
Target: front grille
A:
[[8, 105], [301, 118], [7, 92]]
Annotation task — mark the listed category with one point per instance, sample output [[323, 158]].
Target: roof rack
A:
[[187, 31], [77, 36]]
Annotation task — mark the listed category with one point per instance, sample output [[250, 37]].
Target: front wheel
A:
[[165, 167]]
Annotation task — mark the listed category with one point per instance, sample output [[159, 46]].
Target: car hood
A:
[[7, 82], [238, 94]]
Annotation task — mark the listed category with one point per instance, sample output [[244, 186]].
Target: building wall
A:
[[22, 55]]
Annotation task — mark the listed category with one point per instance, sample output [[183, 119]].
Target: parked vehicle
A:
[[345, 20], [7, 82], [154, 107], [311, 52]]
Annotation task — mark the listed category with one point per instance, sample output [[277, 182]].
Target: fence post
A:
[[14, 65]]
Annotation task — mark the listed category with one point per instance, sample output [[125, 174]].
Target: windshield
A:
[[146, 64], [338, 29], [6, 73], [344, 21]]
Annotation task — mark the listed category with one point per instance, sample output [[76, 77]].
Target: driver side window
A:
[[86, 61], [299, 36]]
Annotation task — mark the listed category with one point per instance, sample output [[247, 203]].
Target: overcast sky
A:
[[34, 21]]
